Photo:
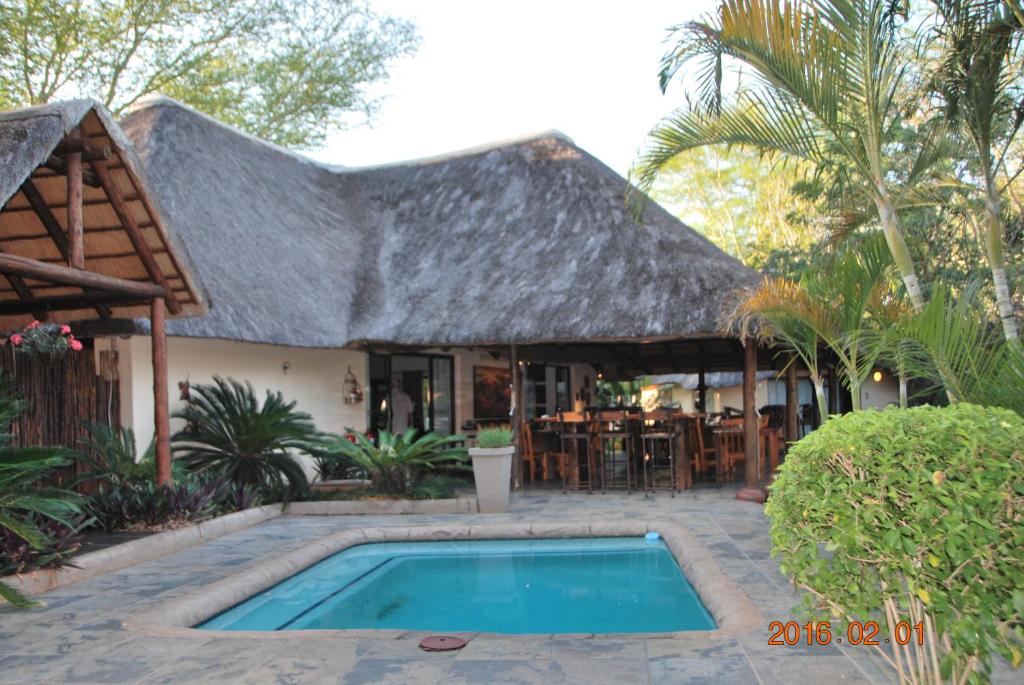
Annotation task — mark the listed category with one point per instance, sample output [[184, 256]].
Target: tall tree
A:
[[285, 70], [743, 205], [981, 81], [824, 81]]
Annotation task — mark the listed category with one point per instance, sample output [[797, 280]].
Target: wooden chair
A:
[[529, 456], [704, 455], [730, 444]]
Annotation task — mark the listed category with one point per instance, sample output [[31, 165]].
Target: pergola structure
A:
[[81, 239]]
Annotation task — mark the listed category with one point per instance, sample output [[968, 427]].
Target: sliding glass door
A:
[[412, 391]]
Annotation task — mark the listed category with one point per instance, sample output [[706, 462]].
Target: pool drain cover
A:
[[441, 643]]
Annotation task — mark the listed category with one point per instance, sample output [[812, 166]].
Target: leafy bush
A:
[[36, 524], [398, 464], [230, 435], [334, 466], [29, 513], [17, 555], [494, 437], [916, 515], [146, 504]]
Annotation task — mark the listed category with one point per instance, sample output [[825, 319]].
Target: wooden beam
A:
[[131, 227], [792, 404], [60, 167], [46, 217], [40, 305], [76, 239], [751, 446], [516, 416], [160, 408], [77, 145], [53, 273]]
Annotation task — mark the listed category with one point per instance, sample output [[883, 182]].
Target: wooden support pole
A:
[[516, 416], [752, 489], [792, 404], [54, 273], [131, 227], [76, 238], [160, 408]]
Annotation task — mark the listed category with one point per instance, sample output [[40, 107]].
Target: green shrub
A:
[[494, 437], [144, 504], [398, 463], [912, 515]]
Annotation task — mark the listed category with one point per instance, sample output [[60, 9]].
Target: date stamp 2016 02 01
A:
[[857, 633]]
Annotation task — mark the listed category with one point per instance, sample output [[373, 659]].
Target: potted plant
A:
[[492, 468]]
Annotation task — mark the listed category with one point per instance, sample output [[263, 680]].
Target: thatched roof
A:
[[30, 159], [520, 242]]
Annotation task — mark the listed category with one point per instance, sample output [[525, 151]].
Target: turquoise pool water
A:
[[595, 585]]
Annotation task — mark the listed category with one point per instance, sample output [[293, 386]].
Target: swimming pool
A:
[[585, 585]]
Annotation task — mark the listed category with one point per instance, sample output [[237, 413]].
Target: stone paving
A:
[[78, 637]]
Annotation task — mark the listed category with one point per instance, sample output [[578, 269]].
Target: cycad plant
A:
[[229, 433], [109, 455], [399, 461], [824, 81]]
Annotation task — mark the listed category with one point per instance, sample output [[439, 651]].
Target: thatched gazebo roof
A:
[[121, 229], [521, 242]]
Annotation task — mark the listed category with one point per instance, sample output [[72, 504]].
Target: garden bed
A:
[[151, 545]]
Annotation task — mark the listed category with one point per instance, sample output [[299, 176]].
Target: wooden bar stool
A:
[[658, 440], [574, 441], [615, 448]]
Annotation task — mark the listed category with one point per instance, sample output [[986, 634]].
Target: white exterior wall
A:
[[315, 378], [879, 394]]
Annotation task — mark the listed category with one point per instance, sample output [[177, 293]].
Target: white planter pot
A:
[[492, 472]]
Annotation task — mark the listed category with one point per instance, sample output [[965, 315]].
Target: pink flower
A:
[[34, 324], [76, 346], [65, 329], [16, 339]]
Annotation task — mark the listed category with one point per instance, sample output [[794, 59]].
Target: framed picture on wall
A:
[[492, 392]]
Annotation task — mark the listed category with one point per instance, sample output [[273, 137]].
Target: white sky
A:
[[487, 71]]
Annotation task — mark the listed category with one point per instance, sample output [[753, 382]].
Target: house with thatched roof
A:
[[447, 280]]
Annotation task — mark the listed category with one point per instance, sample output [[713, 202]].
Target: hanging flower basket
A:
[[47, 340]]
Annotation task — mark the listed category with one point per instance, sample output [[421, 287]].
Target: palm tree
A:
[[843, 303], [779, 310], [398, 461], [823, 81], [980, 65]]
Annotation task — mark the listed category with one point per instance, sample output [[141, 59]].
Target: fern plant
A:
[[229, 433]]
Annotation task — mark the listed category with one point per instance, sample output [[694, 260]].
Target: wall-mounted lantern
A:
[[353, 391]]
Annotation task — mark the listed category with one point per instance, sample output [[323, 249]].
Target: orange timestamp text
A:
[[857, 633]]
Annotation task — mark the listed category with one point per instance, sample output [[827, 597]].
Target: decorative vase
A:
[[492, 473]]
